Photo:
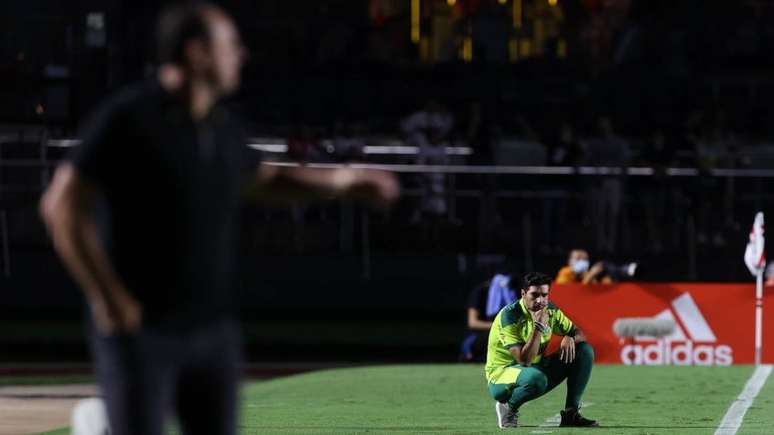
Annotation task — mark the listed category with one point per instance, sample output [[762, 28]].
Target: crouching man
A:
[[516, 369]]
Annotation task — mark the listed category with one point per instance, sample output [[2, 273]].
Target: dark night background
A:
[[681, 84]]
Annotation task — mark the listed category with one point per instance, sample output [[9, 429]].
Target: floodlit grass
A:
[[759, 416], [45, 380], [453, 399]]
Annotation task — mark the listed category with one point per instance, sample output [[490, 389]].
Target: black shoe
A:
[[572, 418]]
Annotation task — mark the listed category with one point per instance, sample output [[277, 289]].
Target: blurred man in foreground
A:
[[516, 369], [144, 215]]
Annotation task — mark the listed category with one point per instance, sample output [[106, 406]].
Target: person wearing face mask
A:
[[578, 271]]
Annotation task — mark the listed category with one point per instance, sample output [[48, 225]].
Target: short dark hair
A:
[[177, 25], [536, 279]]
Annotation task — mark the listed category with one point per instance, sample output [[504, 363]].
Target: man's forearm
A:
[[530, 349], [475, 324], [480, 325], [67, 211], [285, 185], [77, 243]]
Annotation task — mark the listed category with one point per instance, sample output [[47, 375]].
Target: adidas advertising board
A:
[[714, 323], [692, 342]]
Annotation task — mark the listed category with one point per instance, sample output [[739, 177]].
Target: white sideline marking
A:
[[735, 414], [554, 421]]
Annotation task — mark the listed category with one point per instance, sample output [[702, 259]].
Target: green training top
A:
[[512, 327]]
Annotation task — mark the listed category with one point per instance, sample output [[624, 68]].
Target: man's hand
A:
[[121, 315], [567, 349], [378, 188], [540, 316], [597, 268], [593, 274]]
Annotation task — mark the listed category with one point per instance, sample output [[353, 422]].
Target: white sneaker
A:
[[89, 417], [506, 417]]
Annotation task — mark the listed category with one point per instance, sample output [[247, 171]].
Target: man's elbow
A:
[[519, 358], [56, 213], [68, 191], [58, 207], [47, 208]]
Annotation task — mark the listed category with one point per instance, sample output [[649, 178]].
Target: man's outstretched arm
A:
[[67, 209], [288, 185]]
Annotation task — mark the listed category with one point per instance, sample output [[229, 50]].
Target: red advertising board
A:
[[715, 323]]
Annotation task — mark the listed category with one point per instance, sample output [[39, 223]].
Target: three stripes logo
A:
[[691, 343]]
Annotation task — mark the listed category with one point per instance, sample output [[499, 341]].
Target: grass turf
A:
[[759, 415], [45, 380], [453, 399]]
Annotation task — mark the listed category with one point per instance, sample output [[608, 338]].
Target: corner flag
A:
[[755, 254], [755, 259]]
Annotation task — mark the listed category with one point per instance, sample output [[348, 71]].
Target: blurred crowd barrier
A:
[[688, 222]]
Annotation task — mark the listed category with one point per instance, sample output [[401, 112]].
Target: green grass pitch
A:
[[453, 399]]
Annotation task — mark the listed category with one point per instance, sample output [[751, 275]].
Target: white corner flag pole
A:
[[759, 318], [755, 260]]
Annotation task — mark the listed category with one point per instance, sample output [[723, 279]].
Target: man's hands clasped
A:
[[540, 320]]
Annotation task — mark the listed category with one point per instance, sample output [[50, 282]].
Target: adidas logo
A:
[[691, 343]]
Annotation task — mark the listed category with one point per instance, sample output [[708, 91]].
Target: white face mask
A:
[[580, 266]]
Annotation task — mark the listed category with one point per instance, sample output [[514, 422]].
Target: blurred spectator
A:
[[337, 37], [658, 189], [608, 149], [769, 275], [482, 132], [427, 129], [563, 149], [490, 31], [304, 146], [387, 41], [712, 152], [482, 136], [578, 271], [348, 144], [484, 302], [596, 37]]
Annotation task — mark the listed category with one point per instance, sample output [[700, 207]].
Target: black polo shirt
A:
[[477, 299], [171, 192]]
